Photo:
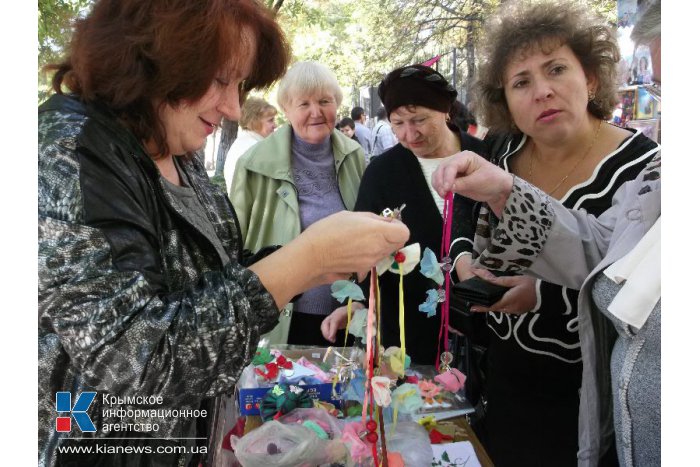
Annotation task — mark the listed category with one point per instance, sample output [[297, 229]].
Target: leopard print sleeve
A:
[[512, 243]]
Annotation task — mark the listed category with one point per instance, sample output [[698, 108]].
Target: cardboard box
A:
[[249, 399]]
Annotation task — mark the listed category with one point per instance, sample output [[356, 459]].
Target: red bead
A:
[[372, 425], [372, 437], [399, 257]]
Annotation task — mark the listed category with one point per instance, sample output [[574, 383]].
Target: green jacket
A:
[[263, 191]]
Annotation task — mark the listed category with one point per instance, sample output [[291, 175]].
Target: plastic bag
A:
[[413, 443], [277, 445]]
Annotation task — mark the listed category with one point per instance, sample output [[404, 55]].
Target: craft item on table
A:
[[354, 411], [381, 391], [430, 267], [328, 407], [451, 380], [262, 356], [311, 425], [445, 360], [299, 374], [436, 437], [319, 420], [358, 447], [355, 388], [345, 367], [282, 399], [315, 370], [273, 368], [277, 445], [460, 454], [428, 390], [428, 422], [405, 399]]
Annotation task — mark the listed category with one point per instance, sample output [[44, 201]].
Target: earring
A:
[[447, 118], [591, 95]]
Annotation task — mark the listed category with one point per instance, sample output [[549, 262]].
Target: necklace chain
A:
[[590, 146]]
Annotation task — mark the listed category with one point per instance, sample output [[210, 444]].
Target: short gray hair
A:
[[307, 79], [648, 26]]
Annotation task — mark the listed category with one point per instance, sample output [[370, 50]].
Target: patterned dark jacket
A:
[[134, 301]]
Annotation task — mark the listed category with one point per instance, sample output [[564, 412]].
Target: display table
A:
[[443, 418]]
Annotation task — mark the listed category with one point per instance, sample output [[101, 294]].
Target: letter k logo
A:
[[78, 411]]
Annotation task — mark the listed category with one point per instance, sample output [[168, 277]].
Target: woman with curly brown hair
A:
[[149, 308], [547, 79]]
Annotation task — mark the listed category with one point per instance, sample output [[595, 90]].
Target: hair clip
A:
[[393, 213]]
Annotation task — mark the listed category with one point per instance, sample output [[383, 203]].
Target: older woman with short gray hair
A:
[[302, 173]]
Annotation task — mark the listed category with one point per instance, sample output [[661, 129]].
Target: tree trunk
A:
[[471, 58], [229, 131]]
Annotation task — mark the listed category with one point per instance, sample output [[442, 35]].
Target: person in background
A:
[[145, 292], [418, 100], [613, 259], [304, 172], [257, 122], [547, 77], [382, 136], [347, 126], [364, 135]]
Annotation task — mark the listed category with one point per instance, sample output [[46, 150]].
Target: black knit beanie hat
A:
[[416, 85]]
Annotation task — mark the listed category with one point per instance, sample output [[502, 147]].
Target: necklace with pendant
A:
[[566, 177]]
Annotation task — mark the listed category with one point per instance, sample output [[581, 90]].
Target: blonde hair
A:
[[253, 110], [307, 79]]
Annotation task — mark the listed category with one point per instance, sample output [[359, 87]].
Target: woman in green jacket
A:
[[300, 174]]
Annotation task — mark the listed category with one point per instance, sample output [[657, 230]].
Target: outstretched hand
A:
[[353, 242], [470, 175]]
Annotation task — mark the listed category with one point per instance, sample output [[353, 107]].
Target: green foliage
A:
[[54, 32]]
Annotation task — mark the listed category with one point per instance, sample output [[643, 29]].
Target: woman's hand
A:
[[338, 320], [473, 176], [463, 266], [521, 298], [348, 242], [328, 250]]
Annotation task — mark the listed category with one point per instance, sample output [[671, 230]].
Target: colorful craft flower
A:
[[410, 256], [428, 390], [262, 356], [406, 398], [344, 289], [381, 390], [430, 267], [429, 306], [428, 422], [273, 368]]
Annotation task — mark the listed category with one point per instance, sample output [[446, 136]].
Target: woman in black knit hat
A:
[[417, 100]]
